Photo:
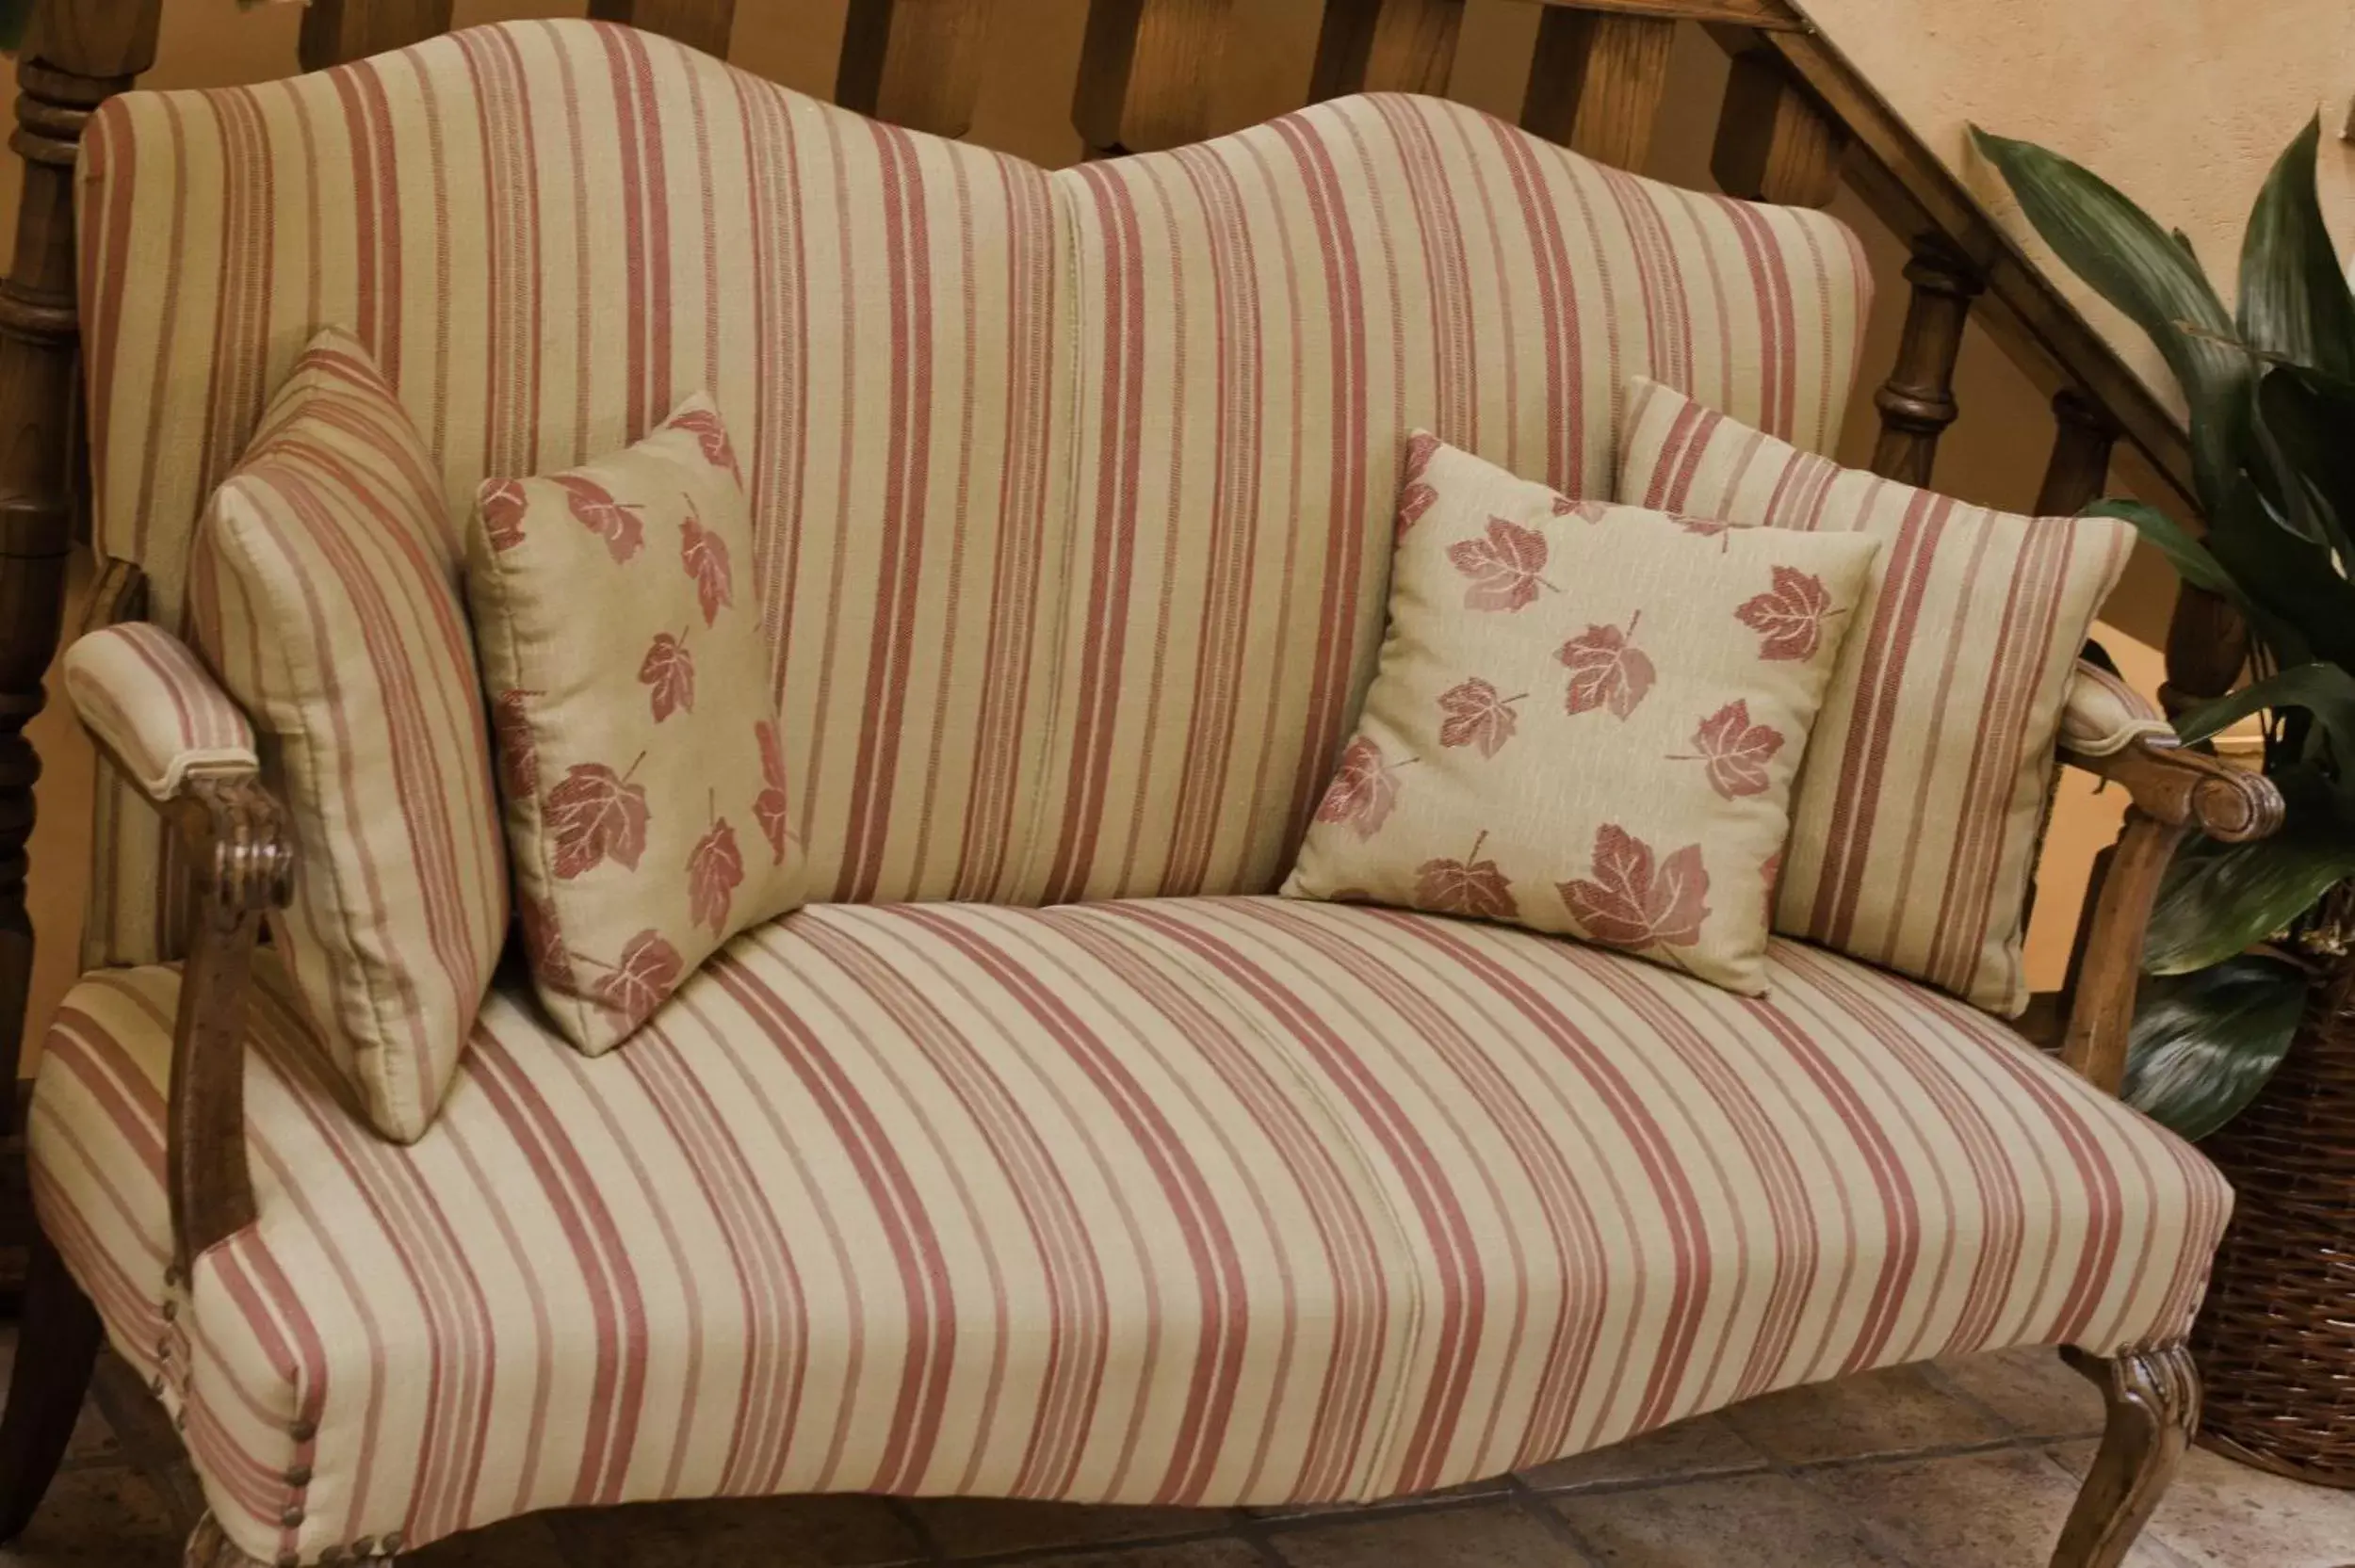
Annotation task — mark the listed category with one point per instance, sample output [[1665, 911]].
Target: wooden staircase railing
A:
[[1796, 121]]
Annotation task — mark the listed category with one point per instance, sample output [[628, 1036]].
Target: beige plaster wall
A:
[[2060, 78]]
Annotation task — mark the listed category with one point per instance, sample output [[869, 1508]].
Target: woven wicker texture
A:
[[2276, 1341]]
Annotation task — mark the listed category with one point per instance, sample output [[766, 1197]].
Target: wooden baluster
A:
[[914, 62], [337, 31], [1386, 46], [703, 24], [2207, 644], [1916, 402], [1595, 82], [75, 57], [2079, 469], [1144, 72], [1773, 142]]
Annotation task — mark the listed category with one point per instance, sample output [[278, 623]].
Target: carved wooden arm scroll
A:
[[240, 853], [2175, 792]]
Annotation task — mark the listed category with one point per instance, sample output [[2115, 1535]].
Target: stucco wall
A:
[[2183, 104]]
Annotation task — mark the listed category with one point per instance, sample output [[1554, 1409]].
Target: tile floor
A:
[[1965, 1463]]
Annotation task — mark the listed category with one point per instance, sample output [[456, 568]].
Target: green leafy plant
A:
[[2241, 929]]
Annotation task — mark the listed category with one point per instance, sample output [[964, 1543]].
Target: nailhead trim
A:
[[300, 1476], [293, 1517], [302, 1432]]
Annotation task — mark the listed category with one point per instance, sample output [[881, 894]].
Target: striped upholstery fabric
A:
[[324, 589], [1190, 1201], [1071, 491], [143, 693], [1918, 810], [2102, 714]]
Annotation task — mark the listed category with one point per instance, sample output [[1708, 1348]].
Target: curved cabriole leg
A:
[[209, 1548], [56, 1349], [2153, 1399]]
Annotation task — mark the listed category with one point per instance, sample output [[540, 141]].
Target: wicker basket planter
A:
[[2276, 1341]]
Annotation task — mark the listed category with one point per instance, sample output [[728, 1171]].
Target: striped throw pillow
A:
[[1915, 823], [325, 593]]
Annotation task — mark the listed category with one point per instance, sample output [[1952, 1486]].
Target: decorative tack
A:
[[302, 1432], [155, 1385], [292, 1560], [292, 1517], [171, 1312], [365, 1547], [390, 1544], [298, 1476]]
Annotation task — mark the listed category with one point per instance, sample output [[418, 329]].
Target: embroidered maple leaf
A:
[[1363, 789], [617, 524], [544, 942], [597, 815], [772, 807], [712, 436], [1477, 716], [715, 868], [648, 972], [1708, 527], [1736, 750], [502, 504], [1633, 903], [705, 554], [1471, 886], [1503, 565], [1606, 669], [519, 755], [1790, 616], [669, 671], [1415, 496], [1585, 510]]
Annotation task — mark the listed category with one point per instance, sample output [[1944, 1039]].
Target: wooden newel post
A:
[[74, 59], [1916, 402], [2079, 469]]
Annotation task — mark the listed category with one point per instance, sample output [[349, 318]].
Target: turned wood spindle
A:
[[2079, 469], [1145, 68], [703, 24], [1916, 402], [335, 32], [914, 62], [1775, 142], [75, 57], [1595, 82], [1386, 46]]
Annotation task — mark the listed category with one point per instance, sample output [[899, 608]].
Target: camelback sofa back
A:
[[1072, 490], [1074, 501]]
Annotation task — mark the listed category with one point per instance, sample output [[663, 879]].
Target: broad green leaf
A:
[[2187, 555], [2312, 430], [2150, 275], [2299, 605], [2324, 690], [2203, 1044], [14, 14], [2293, 298], [2219, 900]]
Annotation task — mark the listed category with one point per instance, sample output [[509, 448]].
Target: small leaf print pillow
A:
[[1586, 720], [642, 779]]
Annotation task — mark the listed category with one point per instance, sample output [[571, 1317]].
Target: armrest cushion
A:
[[2102, 714], [155, 707]]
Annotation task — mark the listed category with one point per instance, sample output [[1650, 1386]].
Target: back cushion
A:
[[1071, 491]]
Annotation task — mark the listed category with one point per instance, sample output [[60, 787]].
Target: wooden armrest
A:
[[2175, 792], [2190, 789], [241, 854]]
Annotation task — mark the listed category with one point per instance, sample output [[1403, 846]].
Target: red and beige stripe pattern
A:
[[2102, 715], [1186, 1200], [159, 712], [324, 589], [1071, 491], [1915, 821]]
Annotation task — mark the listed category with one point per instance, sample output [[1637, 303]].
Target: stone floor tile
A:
[[1488, 1535], [97, 1514], [1704, 1445], [2221, 1514], [978, 1526], [1491, 1486], [2000, 1510], [2029, 1388], [1895, 1411], [529, 1543], [1217, 1551], [774, 1532], [1758, 1521]]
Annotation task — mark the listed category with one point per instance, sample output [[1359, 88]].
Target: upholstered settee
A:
[[1044, 1155]]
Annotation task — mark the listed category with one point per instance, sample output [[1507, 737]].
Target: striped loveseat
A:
[[1044, 1155]]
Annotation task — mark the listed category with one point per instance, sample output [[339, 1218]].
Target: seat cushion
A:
[[1199, 1201]]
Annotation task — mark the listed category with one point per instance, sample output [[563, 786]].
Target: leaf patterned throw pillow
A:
[[1587, 719], [644, 781]]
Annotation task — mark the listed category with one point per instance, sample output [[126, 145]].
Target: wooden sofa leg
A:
[[2153, 1399], [56, 1349], [208, 1547]]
